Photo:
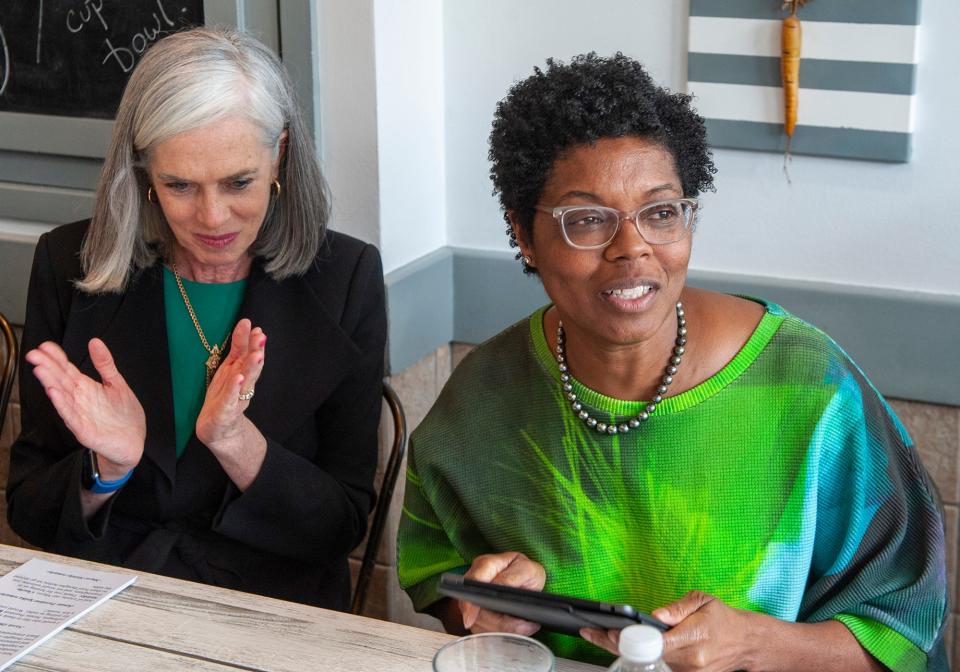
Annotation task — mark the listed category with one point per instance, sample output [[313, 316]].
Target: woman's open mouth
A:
[[632, 296]]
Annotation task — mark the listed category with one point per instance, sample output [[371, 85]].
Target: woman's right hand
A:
[[106, 416], [507, 569]]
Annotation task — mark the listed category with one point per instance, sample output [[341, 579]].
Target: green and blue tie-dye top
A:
[[784, 484]]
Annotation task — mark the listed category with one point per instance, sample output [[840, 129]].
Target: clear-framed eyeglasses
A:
[[588, 227]]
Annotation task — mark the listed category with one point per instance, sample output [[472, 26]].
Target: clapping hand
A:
[[105, 416], [222, 425]]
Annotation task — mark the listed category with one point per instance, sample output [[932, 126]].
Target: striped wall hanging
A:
[[858, 73]]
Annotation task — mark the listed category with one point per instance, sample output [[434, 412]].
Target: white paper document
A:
[[39, 598]]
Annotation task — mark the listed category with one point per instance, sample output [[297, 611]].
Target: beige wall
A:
[[935, 429]]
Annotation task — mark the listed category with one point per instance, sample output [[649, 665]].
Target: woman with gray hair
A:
[[157, 434]]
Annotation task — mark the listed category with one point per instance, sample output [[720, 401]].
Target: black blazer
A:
[[317, 403]]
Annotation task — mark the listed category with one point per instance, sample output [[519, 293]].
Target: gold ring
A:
[[246, 396]]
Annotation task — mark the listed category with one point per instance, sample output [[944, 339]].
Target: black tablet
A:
[[558, 613]]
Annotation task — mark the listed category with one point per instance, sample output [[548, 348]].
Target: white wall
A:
[[851, 222], [410, 128], [408, 89], [348, 115], [855, 222], [489, 44]]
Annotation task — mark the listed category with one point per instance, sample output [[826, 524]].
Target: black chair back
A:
[[9, 367], [382, 506]]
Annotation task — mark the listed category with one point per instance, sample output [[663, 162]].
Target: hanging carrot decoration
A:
[[790, 37]]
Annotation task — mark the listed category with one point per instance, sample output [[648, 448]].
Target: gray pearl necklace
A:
[[566, 381]]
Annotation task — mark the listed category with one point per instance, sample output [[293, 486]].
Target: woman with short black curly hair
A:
[[710, 458], [589, 99]]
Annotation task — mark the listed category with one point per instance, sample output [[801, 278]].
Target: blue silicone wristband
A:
[[103, 487]]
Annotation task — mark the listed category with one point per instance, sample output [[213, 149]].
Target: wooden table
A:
[[167, 624]]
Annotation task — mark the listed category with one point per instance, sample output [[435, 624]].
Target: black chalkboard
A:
[[73, 57]]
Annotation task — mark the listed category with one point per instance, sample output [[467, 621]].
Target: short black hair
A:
[[572, 104]]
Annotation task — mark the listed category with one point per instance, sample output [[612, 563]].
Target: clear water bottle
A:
[[640, 649]]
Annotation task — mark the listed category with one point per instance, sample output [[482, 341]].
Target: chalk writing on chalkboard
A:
[[5, 55], [73, 57]]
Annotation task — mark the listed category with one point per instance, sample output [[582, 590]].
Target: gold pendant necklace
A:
[[213, 361]]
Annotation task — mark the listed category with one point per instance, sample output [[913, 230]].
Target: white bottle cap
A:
[[641, 643]]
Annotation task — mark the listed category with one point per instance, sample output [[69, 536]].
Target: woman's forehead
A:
[[629, 164], [223, 146]]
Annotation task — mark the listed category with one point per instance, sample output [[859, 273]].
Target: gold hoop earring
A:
[[276, 183], [150, 194]]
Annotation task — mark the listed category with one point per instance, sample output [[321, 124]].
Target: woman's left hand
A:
[[707, 635], [222, 425], [507, 569]]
